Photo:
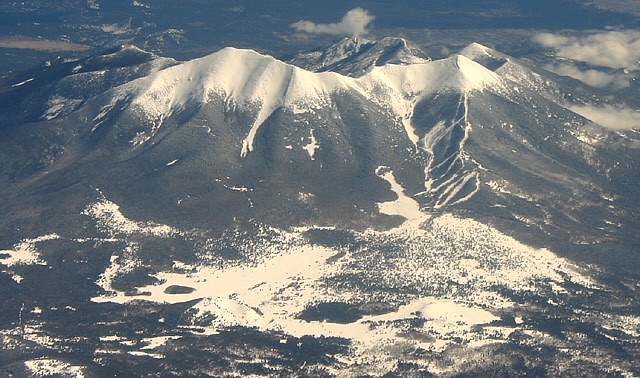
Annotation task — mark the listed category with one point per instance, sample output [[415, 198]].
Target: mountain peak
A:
[[456, 72], [239, 74], [396, 50], [475, 74], [356, 56], [476, 49], [243, 78], [486, 56], [125, 47]]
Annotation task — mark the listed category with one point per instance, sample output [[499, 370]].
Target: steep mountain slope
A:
[[597, 160]]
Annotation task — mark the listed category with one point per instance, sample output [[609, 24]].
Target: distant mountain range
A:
[[136, 178]]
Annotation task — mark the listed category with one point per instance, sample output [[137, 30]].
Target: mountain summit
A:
[[357, 56]]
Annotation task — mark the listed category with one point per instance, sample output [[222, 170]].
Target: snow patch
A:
[[110, 338], [139, 353], [22, 83], [25, 252], [110, 220], [404, 205], [46, 367], [136, 3], [444, 317], [312, 146], [106, 109], [155, 342], [59, 105], [119, 264], [238, 188]]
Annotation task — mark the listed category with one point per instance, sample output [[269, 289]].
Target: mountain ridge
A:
[[254, 103], [271, 84]]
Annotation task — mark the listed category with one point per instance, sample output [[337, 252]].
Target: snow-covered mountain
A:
[[455, 131], [362, 202]]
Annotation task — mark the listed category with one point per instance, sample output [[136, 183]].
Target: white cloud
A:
[[609, 116], [354, 23], [615, 49], [593, 78]]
